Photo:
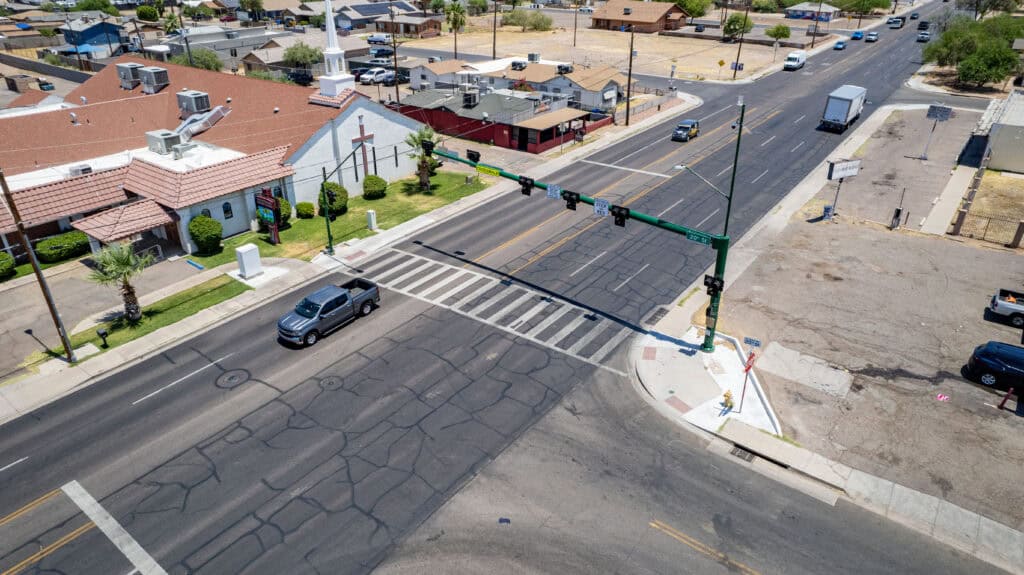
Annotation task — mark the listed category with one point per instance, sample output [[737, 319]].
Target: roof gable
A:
[[640, 12], [50, 202]]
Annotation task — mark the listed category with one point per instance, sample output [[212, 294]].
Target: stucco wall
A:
[[1007, 145]]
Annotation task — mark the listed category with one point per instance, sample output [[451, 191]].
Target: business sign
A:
[[736, 66], [268, 209], [845, 169], [554, 191], [939, 113], [601, 207], [484, 169]]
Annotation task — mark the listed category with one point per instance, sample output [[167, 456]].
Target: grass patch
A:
[[305, 238], [163, 313], [784, 438], [1000, 195]]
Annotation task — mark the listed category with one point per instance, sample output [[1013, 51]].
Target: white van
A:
[[379, 39], [795, 60]]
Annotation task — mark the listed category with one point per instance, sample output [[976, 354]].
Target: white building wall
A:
[[243, 212], [389, 130], [421, 77], [1006, 143]]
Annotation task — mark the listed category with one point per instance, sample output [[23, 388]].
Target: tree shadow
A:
[[411, 188]]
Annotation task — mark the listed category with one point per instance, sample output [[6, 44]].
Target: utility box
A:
[[371, 220], [248, 261]]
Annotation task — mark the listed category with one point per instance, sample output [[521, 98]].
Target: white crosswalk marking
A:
[[441, 284]]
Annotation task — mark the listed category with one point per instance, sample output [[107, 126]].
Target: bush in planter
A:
[[340, 204], [63, 247], [206, 233], [304, 210], [6, 265], [374, 187]]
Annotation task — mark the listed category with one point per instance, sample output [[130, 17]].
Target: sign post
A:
[[840, 171], [269, 211], [746, 378], [939, 113]]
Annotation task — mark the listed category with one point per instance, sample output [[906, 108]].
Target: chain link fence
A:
[[990, 228]]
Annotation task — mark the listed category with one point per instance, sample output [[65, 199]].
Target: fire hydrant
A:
[[727, 400]]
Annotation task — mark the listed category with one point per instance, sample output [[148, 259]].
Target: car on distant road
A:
[[229, 18], [698, 28], [923, 25], [915, 16], [379, 39], [858, 35], [381, 51], [840, 45], [373, 76], [686, 131], [586, 9], [996, 364], [871, 37], [923, 36]]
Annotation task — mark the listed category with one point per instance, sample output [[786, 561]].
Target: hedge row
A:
[[63, 247]]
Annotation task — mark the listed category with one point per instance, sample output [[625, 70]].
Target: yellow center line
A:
[[700, 547], [35, 557], [28, 507]]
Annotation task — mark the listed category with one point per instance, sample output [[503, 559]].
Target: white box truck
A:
[[843, 107]]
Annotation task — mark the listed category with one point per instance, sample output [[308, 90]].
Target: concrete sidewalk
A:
[[941, 216]]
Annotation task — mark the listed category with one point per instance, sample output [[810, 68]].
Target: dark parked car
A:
[[229, 18], [402, 77], [301, 77], [997, 364], [922, 25], [698, 28], [357, 72], [915, 16]]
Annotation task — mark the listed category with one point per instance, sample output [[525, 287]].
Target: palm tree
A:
[[116, 264], [455, 13], [424, 161]]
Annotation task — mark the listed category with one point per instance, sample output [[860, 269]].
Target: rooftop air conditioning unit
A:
[[627, 11], [162, 141], [533, 57], [193, 102], [128, 74], [154, 79], [470, 99], [565, 68], [518, 65], [80, 170]]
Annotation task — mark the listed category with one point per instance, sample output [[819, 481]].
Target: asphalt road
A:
[[230, 453]]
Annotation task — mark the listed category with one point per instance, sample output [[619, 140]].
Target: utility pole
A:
[[817, 16], [106, 34], [394, 53], [27, 246], [575, 17], [67, 22], [494, 33], [142, 46], [736, 66], [629, 76]]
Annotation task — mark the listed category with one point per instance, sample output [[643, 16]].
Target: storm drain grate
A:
[[656, 316], [742, 454]]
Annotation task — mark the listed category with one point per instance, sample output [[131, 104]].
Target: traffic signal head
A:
[[527, 185], [621, 214], [473, 155], [428, 146], [714, 284], [571, 198]]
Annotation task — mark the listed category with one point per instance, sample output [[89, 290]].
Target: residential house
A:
[[304, 12], [812, 11], [443, 74], [194, 141], [230, 44], [270, 56], [409, 25], [275, 9], [648, 17], [54, 18], [1007, 133], [358, 16], [98, 38]]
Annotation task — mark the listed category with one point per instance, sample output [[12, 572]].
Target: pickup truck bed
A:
[[357, 287], [1010, 304]]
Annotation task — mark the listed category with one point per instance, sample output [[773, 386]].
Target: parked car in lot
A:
[[1009, 304], [686, 131], [229, 18], [871, 37], [858, 35], [358, 72], [379, 39], [401, 77], [996, 364], [373, 76], [840, 45], [915, 16], [923, 36], [328, 309], [698, 28], [381, 51], [380, 61]]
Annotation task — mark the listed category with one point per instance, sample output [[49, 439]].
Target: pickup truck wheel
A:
[[311, 338], [988, 379], [366, 308], [1017, 320]]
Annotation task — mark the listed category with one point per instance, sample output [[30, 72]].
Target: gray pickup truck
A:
[[327, 309], [1009, 304]]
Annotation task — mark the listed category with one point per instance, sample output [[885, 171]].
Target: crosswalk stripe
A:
[[526, 317], [588, 337], [395, 270], [443, 268], [381, 262], [609, 345], [440, 288], [569, 328], [549, 320], [489, 302], [473, 295], [408, 273], [512, 306]]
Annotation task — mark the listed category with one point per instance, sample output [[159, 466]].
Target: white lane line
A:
[[765, 143], [626, 281], [634, 152], [711, 215], [597, 257], [727, 168], [800, 118], [625, 168], [714, 113], [759, 177], [121, 539], [666, 210], [10, 465], [181, 379], [797, 147]]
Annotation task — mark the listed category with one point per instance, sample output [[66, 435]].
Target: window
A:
[[206, 212], [556, 90], [491, 80], [423, 76], [234, 52], [277, 192], [228, 212]]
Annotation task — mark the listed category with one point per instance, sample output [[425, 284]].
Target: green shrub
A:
[[764, 6], [63, 247], [305, 210], [6, 265], [514, 18], [206, 233], [538, 21], [147, 13], [340, 204], [47, 32], [374, 187]]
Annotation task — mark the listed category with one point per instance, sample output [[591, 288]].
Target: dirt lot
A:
[[1001, 193], [693, 57], [886, 320]]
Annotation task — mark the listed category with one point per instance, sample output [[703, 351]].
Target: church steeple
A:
[[336, 79]]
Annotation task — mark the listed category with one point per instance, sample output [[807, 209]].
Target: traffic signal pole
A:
[[719, 243]]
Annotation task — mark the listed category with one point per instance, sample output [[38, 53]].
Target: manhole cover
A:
[[233, 378], [742, 454], [331, 383]]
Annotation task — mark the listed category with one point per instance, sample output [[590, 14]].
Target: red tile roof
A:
[[49, 202], [28, 98], [178, 190], [115, 120], [124, 221]]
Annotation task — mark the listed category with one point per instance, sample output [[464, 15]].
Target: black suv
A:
[[997, 364], [922, 25]]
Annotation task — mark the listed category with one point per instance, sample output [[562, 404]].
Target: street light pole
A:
[[394, 54], [575, 17], [27, 246], [629, 76], [494, 33], [743, 29], [735, 161]]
